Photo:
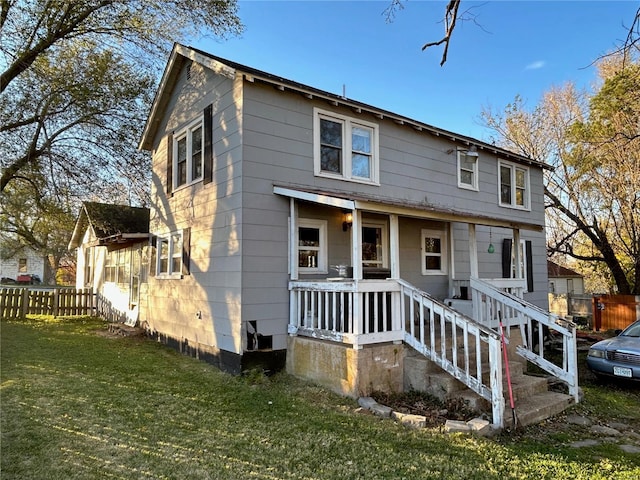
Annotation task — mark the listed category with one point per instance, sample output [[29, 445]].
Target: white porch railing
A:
[[490, 305], [465, 349], [357, 312], [360, 312]]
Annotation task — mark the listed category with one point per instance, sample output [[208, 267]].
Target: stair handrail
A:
[[527, 313], [492, 392]]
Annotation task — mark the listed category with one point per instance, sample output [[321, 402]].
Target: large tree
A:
[[76, 81], [593, 143]]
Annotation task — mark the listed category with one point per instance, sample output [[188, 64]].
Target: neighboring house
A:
[[566, 292], [292, 222], [22, 265], [112, 243], [563, 280]]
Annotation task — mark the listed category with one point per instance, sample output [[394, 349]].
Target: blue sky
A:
[[513, 48]]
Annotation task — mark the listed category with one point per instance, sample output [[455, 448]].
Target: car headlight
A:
[[596, 353]]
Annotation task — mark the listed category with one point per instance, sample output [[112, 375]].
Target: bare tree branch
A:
[[450, 17]]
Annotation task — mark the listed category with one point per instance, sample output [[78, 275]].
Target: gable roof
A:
[[181, 53], [111, 223], [554, 271]]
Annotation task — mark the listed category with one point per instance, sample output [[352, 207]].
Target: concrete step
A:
[[443, 386], [417, 367], [530, 393], [536, 408]]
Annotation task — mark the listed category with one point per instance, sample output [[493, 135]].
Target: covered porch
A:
[[351, 330]]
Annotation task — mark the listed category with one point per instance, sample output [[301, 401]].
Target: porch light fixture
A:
[[472, 152], [347, 222]]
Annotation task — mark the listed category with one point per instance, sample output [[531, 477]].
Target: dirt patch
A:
[[120, 330]]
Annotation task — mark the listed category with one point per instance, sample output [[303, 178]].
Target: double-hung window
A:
[[312, 246], [188, 154], [434, 252], [345, 148], [467, 170], [514, 185], [169, 256]]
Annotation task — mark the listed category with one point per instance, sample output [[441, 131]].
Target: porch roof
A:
[[111, 224], [377, 204]]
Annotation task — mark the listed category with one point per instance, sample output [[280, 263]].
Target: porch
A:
[[431, 300], [363, 325]]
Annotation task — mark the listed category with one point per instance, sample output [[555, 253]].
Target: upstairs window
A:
[[188, 155], [345, 148], [467, 170], [514, 185]]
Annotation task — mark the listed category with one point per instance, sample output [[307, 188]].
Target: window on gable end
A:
[[345, 148], [188, 158]]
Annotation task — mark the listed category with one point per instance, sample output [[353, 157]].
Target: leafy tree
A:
[[40, 224], [593, 143], [77, 78]]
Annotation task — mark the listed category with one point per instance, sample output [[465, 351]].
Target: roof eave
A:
[[169, 77]]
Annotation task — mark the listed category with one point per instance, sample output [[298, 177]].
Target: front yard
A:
[[77, 403]]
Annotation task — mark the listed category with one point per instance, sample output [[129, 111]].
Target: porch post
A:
[[356, 261], [356, 245], [473, 250], [293, 238], [394, 246], [452, 259]]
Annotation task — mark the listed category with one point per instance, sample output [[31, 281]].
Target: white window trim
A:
[[347, 123], [442, 235], [168, 237], [186, 132], [474, 176], [383, 227], [527, 197], [321, 225], [523, 263]]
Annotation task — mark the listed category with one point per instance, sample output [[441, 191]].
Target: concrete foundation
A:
[[349, 372]]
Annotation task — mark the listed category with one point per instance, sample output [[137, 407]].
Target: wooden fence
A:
[[22, 301], [611, 312]]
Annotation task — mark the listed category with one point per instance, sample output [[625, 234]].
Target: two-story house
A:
[[289, 222]]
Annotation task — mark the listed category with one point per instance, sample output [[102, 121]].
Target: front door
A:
[[375, 245]]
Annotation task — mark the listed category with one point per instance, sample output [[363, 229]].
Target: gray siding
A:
[[240, 229], [213, 212]]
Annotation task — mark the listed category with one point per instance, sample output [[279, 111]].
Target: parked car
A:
[[618, 356], [29, 279]]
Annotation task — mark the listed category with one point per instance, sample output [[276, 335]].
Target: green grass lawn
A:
[[76, 403]]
